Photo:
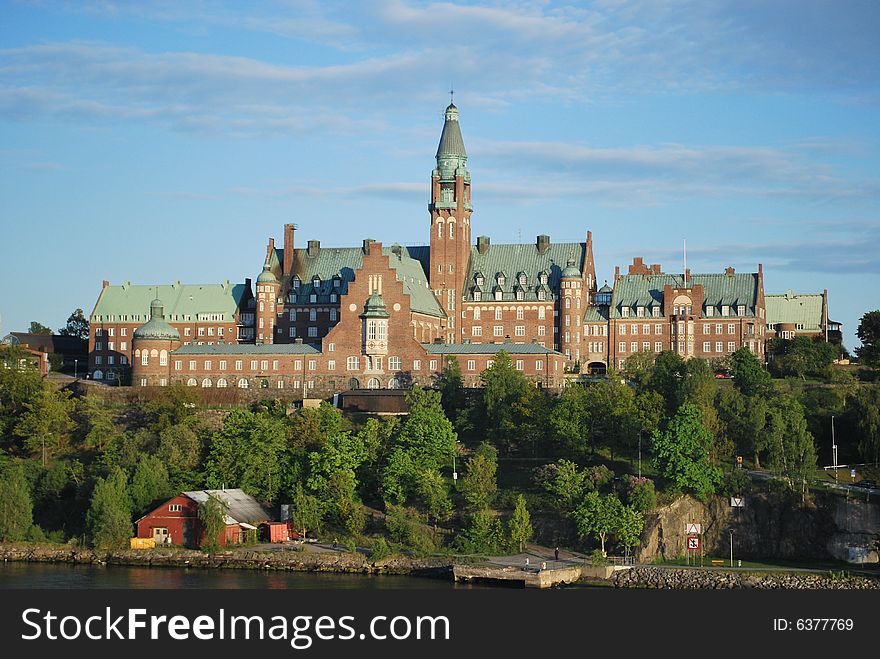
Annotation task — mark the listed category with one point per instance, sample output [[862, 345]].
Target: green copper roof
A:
[[244, 349], [596, 314], [571, 272], [486, 349], [451, 155], [375, 307], [804, 310], [156, 328], [521, 259], [183, 302], [342, 262], [267, 276], [647, 291]]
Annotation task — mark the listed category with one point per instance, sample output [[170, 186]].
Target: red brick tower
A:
[[268, 288], [450, 209], [570, 312], [152, 344]]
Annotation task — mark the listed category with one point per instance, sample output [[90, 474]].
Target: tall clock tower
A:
[[450, 210]]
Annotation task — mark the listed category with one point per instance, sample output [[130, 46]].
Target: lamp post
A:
[[74, 368], [731, 546], [833, 449]]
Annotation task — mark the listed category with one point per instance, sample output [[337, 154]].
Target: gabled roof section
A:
[[524, 259], [241, 508], [805, 310], [183, 302], [408, 263]]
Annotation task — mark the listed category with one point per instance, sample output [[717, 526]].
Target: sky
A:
[[159, 141]]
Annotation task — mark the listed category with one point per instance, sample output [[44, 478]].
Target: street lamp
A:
[[74, 368], [833, 449], [731, 546]]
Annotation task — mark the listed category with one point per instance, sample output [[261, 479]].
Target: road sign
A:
[[693, 543], [852, 473], [737, 502], [739, 459], [693, 528]]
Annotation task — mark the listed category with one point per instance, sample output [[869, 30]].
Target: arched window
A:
[[242, 383], [262, 306], [541, 313], [191, 382], [163, 358], [568, 303], [207, 382], [221, 383], [452, 230], [373, 383], [394, 383], [354, 384], [98, 375], [145, 358], [440, 229]]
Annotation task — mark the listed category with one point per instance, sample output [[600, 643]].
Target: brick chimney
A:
[[289, 231], [543, 243]]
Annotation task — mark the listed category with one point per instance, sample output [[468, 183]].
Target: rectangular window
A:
[[208, 365], [621, 347], [520, 365], [622, 329], [313, 315], [274, 364], [333, 314], [539, 365], [433, 365], [497, 313], [210, 331], [472, 365], [187, 331], [542, 330], [297, 365], [520, 330], [112, 360], [658, 330], [568, 321], [331, 365], [519, 313], [477, 330], [634, 329], [292, 315], [731, 346], [313, 332], [178, 365], [292, 331], [280, 384], [201, 331], [296, 384], [646, 346], [331, 347], [99, 346], [719, 347], [192, 364], [219, 331], [417, 365], [634, 347], [725, 310], [394, 363], [719, 329], [707, 346], [237, 364], [541, 313], [640, 312], [498, 330], [123, 331], [222, 364], [254, 364], [624, 311], [476, 313], [110, 345], [658, 346], [353, 363], [313, 364], [731, 329]]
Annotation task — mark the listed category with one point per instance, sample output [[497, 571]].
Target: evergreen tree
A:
[[869, 334], [39, 328], [519, 529], [77, 326], [109, 515], [16, 506]]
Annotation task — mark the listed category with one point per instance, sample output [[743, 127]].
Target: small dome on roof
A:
[[156, 328], [266, 277], [571, 272], [375, 307], [605, 289]]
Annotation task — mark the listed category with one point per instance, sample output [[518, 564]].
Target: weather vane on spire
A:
[[451, 94]]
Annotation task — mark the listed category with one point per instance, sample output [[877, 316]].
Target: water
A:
[[63, 575]]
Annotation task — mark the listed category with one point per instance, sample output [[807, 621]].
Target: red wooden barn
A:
[[177, 520]]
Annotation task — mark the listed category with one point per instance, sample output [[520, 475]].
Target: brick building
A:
[[703, 315], [798, 314], [201, 313]]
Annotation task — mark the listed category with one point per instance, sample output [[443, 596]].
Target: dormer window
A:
[[640, 312], [741, 310], [710, 311], [542, 294], [725, 310], [478, 296], [655, 312], [296, 283], [498, 295], [479, 279], [624, 312], [520, 295], [313, 297], [316, 281], [501, 280], [334, 297], [543, 278], [337, 282], [523, 280]]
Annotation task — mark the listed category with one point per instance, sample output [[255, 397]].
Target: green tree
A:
[[519, 528], [865, 413], [749, 375], [565, 482], [484, 534], [639, 369], [109, 515], [16, 506], [181, 447], [681, 452], [212, 516], [149, 482], [308, 511], [20, 381], [171, 406], [46, 422], [39, 328], [451, 388], [742, 419], [77, 326], [432, 494], [598, 516], [790, 448], [503, 388], [478, 485], [640, 494], [95, 424], [629, 527], [869, 334]]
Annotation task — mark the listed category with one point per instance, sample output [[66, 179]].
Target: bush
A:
[[380, 550], [597, 558], [640, 493], [407, 528], [736, 481]]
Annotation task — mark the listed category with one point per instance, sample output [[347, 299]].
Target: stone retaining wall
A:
[[655, 577]]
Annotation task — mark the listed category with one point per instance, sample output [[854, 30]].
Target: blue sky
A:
[[159, 141]]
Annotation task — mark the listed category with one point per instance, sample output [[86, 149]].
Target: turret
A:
[[268, 288], [152, 343], [570, 311]]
